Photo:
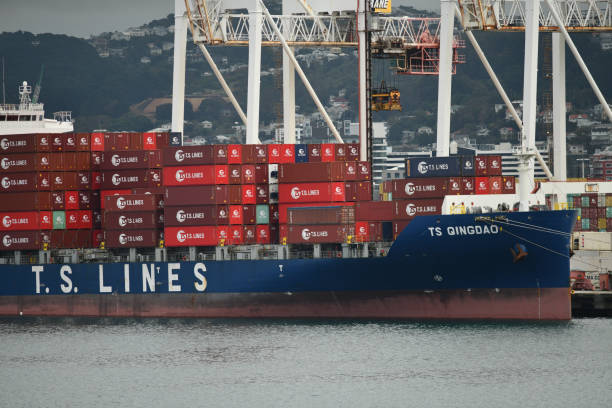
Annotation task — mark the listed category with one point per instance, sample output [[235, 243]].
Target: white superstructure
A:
[[28, 117]]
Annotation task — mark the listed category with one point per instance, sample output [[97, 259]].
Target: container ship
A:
[[134, 224]]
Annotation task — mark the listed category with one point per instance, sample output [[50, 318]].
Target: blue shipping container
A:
[[467, 166], [434, 167], [301, 153]]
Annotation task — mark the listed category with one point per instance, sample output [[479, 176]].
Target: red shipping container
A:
[[248, 214], [481, 166], [454, 185], [25, 201], [249, 234], [609, 222], [220, 154], [155, 177], [85, 200], [358, 191], [482, 185], [188, 155], [287, 153], [57, 200], [311, 192], [235, 235], [311, 172], [72, 219], [42, 141], [318, 234], [274, 153], [14, 221], [117, 141], [408, 209], [263, 234], [135, 141], [125, 159], [495, 185], [123, 202], [97, 142], [221, 174], [131, 220], [197, 195], [340, 152], [352, 152], [314, 153], [328, 152], [20, 240], [149, 141], [280, 213], [129, 179], [234, 154], [189, 175], [374, 211], [468, 185], [19, 162], [83, 142], [262, 194], [162, 140], [57, 143], [252, 154], [69, 161], [85, 219], [432, 187], [45, 219], [364, 170], [83, 161], [249, 194], [107, 193], [351, 171], [235, 215], [222, 235], [83, 180], [71, 200], [96, 180], [96, 160], [235, 174], [16, 182], [200, 215], [132, 238], [19, 143], [362, 231], [248, 174], [494, 165], [70, 142]]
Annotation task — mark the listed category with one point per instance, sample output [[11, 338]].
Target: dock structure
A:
[[591, 303]]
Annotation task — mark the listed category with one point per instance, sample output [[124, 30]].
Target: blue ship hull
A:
[[506, 265]]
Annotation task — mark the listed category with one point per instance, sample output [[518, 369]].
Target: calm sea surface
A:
[[288, 363]]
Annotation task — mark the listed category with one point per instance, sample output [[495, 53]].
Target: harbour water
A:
[[289, 363]]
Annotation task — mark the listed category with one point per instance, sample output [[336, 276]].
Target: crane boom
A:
[[38, 85]]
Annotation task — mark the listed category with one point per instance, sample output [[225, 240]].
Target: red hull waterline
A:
[[517, 304]]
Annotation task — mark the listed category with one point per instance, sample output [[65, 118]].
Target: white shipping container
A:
[[595, 241]]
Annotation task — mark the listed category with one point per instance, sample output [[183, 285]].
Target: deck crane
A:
[[36, 93]]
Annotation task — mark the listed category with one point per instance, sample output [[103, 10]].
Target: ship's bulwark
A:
[[439, 267]]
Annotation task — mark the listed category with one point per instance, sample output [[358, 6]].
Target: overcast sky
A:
[[85, 17]]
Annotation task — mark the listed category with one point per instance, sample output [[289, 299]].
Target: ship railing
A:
[[457, 209]]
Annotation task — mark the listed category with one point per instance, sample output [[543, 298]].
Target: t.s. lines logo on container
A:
[[180, 175], [6, 182], [5, 144], [6, 241], [305, 234], [115, 160], [5, 163], [6, 222], [122, 221], [422, 167], [121, 203], [467, 164], [116, 179], [295, 193], [411, 210], [179, 156], [409, 188], [180, 216], [123, 239]]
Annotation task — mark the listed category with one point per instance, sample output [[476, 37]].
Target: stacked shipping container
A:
[[594, 211]]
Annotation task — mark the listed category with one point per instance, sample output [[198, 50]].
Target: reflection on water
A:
[[236, 363]]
